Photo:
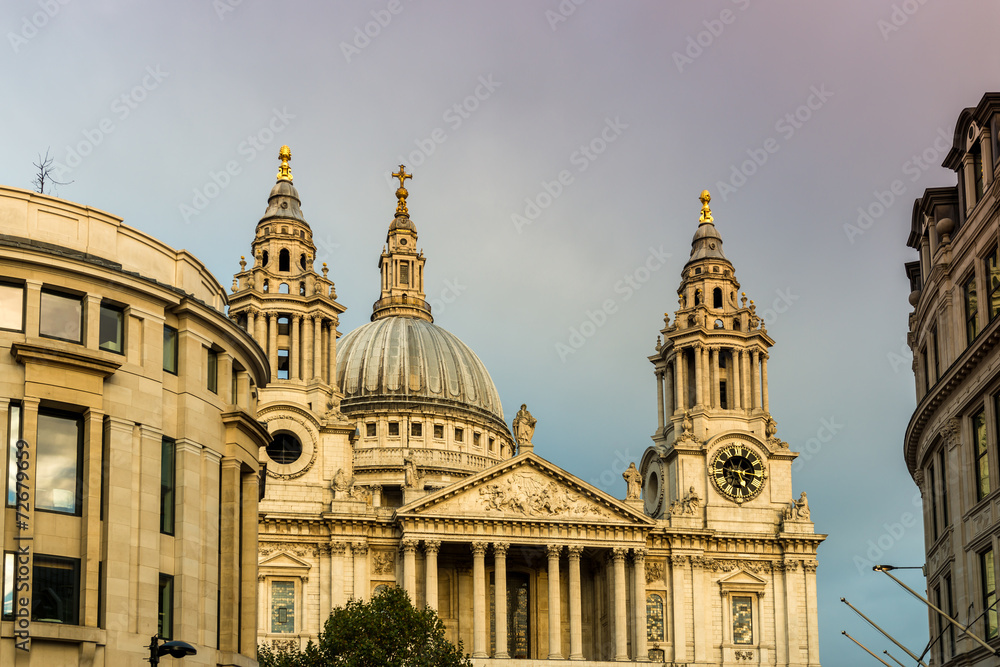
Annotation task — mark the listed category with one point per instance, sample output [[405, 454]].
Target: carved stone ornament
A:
[[797, 510], [633, 481], [687, 505], [678, 560], [755, 566], [529, 496], [654, 571], [809, 565], [298, 549], [744, 655], [687, 430], [951, 433], [383, 562]]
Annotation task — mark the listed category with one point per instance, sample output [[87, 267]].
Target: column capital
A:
[[554, 551], [678, 560], [500, 549], [639, 556], [297, 317], [409, 545], [338, 548], [619, 553], [575, 551], [359, 548], [432, 546], [479, 548]]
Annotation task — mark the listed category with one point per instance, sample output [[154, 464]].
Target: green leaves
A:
[[387, 631]]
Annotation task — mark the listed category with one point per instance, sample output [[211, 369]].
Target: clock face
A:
[[738, 473]]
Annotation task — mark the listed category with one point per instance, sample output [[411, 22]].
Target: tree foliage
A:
[[386, 631]]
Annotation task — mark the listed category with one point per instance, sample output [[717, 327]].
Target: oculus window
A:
[[284, 449], [11, 307], [57, 463], [61, 316]]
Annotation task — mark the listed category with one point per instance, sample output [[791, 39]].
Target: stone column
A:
[[500, 598], [555, 625], [715, 377], [791, 604], [431, 548], [325, 561], [680, 381], [763, 380], [376, 490], [293, 370], [307, 347], [755, 379], [812, 627], [575, 614], [318, 348], [272, 344], [360, 551], [409, 548], [261, 335], [332, 355], [678, 564], [229, 564], [250, 482], [706, 369], [337, 550], [479, 600], [621, 613], [698, 376], [659, 400], [737, 386], [671, 403], [641, 653], [251, 324]]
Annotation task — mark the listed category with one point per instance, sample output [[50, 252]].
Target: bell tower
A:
[[401, 265], [712, 402]]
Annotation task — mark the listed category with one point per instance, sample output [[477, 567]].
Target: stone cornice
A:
[[62, 355]]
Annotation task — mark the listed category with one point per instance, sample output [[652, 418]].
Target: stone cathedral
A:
[[391, 464]]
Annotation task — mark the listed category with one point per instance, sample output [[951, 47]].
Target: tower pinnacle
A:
[[401, 192], [285, 172], [706, 212]]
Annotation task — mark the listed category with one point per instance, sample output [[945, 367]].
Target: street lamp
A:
[[175, 649]]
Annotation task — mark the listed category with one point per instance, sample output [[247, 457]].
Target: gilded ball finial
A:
[[401, 192], [706, 212], [285, 172]]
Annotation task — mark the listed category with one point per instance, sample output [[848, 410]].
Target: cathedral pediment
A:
[[283, 560], [526, 487], [741, 580]]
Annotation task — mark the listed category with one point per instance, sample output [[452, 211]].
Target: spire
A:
[[401, 266], [706, 213], [285, 172], [707, 243]]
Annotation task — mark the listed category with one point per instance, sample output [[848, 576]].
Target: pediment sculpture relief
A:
[[530, 496]]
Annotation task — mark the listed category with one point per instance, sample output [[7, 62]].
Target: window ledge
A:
[[59, 632], [67, 355]]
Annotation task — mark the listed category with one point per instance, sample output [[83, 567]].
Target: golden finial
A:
[[401, 192], [706, 212], [285, 172]]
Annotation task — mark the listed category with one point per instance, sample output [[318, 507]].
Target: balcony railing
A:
[[380, 457]]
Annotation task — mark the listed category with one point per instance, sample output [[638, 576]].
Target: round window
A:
[[284, 449]]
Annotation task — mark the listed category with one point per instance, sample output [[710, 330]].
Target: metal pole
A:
[[894, 659], [865, 648], [154, 657], [965, 629], [888, 636]]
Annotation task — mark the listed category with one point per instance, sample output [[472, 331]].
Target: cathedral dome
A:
[[408, 359]]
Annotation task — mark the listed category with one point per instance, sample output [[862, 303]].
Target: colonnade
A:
[[693, 374], [312, 346]]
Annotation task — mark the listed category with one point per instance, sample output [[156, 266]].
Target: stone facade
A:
[[130, 466], [951, 442], [521, 559]]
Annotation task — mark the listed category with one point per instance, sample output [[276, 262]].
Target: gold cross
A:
[[402, 175]]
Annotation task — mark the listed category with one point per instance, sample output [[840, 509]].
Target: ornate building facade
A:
[[128, 416], [951, 443], [394, 466]]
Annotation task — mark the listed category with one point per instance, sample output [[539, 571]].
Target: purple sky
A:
[[611, 118]]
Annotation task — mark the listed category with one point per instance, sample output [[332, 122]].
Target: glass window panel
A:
[[654, 618], [168, 471], [742, 620], [282, 606], [12, 307], [57, 463], [213, 371], [170, 349], [982, 455], [393, 428], [971, 309], [61, 317], [439, 431], [370, 429], [55, 590], [993, 282], [8, 586], [165, 628], [14, 429], [416, 429], [112, 329], [989, 592]]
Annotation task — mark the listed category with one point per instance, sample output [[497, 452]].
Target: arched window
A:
[[283, 288], [283, 328], [736, 324], [284, 260], [302, 289], [265, 285], [263, 259], [302, 261], [697, 297], [655, 627], [717, 298]]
